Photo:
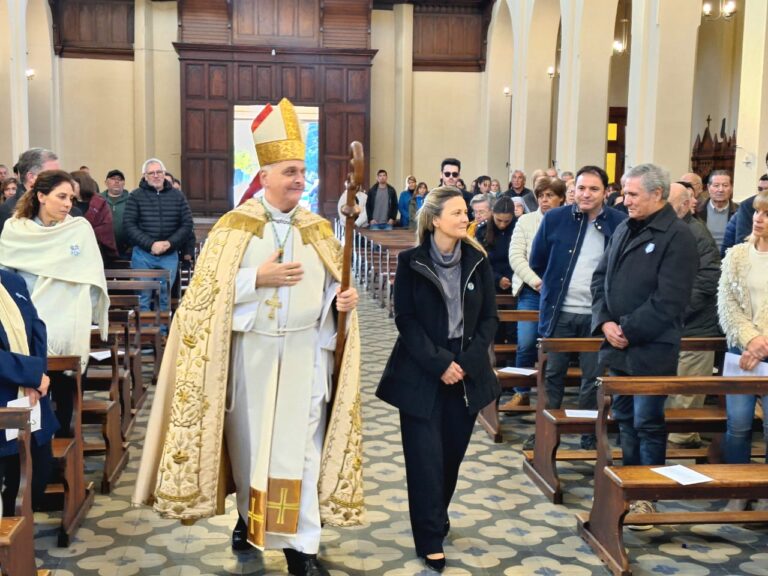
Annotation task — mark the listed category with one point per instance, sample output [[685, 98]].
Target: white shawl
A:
[[67, 262]]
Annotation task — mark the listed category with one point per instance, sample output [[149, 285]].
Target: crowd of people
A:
[[642, 264], [58, 234], [638, 263]]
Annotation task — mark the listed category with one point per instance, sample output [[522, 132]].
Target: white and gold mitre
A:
[[277, 134]]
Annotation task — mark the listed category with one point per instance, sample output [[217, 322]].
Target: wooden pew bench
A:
[[126, 308], [540, 464], [107, 375], [489, 416], [616, 487], [17, 530], [152, 323], [72, 495]]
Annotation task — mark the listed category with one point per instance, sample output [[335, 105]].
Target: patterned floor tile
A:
[[500, 523]]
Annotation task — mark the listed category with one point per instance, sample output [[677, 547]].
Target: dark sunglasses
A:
[[451, 174]]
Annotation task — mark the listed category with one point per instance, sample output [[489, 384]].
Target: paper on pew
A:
[[34, 417], [581, 413], [682, 475], [520, 371], [100, 355], [731, 367]]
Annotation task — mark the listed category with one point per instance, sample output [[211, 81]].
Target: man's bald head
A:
[[694, 180], [680, 199]]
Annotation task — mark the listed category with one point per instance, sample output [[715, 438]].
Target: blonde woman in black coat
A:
[[439, 374]]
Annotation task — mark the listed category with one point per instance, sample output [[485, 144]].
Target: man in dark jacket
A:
[[381, 205], [701, 312], [640, 292], [719, 209], [517, 189], [565, 252], [117, 197], [157, 223], [741, 222], [31, 163]]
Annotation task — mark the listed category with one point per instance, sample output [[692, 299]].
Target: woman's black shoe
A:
[[436, 564], [240, 536]]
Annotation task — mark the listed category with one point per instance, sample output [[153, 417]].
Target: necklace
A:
[[274, 302]]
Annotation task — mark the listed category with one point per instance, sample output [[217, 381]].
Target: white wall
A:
[[6, 148], [718, 75], [382, 152], [97, 118], [446, 124], [40, 57]]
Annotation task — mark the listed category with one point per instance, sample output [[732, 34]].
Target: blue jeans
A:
[[740, 414], [141, 259], [642, 428], [381, 226], [527, 332]]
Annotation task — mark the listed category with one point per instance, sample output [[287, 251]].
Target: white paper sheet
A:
[[520, 371], [13, 433], [682, 475], [581, 413], [100, 355], [731, 367]]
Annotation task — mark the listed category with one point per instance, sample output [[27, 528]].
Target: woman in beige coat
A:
[[550, 193]]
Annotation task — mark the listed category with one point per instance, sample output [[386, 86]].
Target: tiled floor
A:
[[500, 523]]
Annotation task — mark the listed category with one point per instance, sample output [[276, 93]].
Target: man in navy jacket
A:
[[26, 372], [565, 252]]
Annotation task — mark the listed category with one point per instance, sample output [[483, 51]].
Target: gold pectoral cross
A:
[[274, 303]]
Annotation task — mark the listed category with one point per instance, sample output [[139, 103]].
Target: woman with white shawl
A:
[[59, 259]]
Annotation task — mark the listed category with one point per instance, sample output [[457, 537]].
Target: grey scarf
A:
[[448, 271]]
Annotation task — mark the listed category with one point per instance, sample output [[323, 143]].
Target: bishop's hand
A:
[[346, 301], [276, 274]]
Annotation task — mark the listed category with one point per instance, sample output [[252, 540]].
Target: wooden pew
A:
[[488, 417], [17, 530], [107, 412], [73, 496], [616, 487], [151, 322], [130, 344], [540, 464]]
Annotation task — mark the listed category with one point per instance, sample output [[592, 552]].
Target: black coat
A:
[[152, 215], [370, 204], [644, 285], [701, 313], [411, 379]]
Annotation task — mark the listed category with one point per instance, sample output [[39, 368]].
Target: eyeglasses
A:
[[451, 174], [762, 188], [155, 173]]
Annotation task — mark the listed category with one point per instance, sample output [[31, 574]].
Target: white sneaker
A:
[[641, 507], [736, 505]]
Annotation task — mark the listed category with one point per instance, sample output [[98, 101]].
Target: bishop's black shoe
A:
[[300, 564], [240, 536]]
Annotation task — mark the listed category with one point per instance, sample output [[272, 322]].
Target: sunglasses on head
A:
[[451, 174]]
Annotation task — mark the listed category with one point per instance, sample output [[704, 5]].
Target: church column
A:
[[143, 82], [19, 91], [585, 63], [535, 31], [752, 129], [403, 165], [661, 80]]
